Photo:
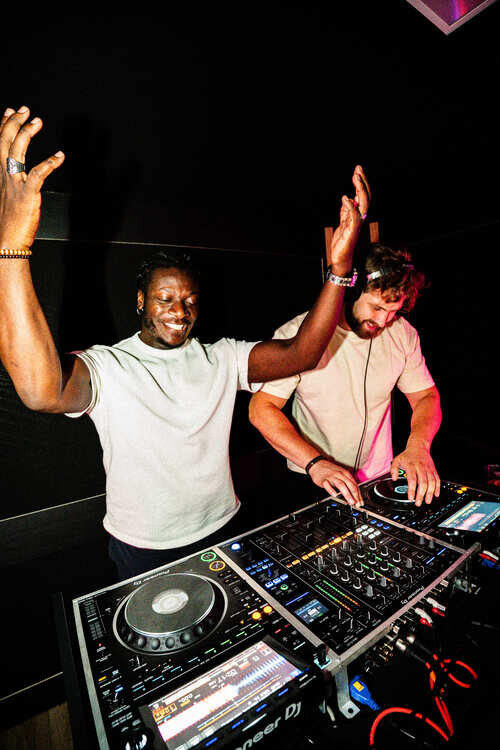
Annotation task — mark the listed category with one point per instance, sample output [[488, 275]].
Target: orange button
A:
[[267, 609], [256, 616]]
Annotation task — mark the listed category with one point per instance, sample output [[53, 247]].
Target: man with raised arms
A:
[[161, 401]]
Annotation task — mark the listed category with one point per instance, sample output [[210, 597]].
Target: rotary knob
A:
[[185, 636], [344, 576], [138, 739]]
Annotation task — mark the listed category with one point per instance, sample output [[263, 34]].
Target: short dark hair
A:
[[164, 259], [398, 278]]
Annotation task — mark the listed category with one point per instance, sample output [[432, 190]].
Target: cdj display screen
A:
[[475, 516], [197, 710]]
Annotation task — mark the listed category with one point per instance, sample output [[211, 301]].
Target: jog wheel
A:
[[169, 613], [394, 492]]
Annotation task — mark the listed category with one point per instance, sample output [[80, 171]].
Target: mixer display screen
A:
[[311, 611], [200, 708], [475, 516]]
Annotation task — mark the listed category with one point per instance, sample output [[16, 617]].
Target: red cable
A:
[[407, 711]]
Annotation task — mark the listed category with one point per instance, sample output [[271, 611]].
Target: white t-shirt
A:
[[328, 405], [163, 417]]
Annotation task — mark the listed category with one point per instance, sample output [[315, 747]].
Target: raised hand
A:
[[20, 193], [352, 214]]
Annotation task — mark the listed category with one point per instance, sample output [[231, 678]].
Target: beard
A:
[[358, 326]]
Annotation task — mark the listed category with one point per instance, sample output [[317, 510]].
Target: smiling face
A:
[[169, 308], [371, 313]]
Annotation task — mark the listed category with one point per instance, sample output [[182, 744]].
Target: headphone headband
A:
[[385, 271]]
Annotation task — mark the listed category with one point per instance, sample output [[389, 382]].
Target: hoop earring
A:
[[140, 310]]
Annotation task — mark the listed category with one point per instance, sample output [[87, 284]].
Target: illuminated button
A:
[[208, 556], [284, 587], [217, 565], [236, 546], [267, 609], [256, 615]]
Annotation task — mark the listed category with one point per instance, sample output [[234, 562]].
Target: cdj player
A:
[[461, 514]]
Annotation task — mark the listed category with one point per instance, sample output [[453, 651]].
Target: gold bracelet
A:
[[5, 253]]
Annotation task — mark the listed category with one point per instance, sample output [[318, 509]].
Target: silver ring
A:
[[14, 166]]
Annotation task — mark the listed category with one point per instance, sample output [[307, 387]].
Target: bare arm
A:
[[266, 415], [416, 460], [279, 358], [27, 348]]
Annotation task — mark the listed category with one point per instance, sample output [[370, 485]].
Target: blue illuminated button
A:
[[236, 546]]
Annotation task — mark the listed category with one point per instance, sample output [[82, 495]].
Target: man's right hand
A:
[[334, 479], [352, 214], [20, 196]]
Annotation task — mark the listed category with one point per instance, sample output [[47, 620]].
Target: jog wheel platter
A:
[[169, 613], [396, 492]]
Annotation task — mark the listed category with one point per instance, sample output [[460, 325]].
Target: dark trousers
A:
[[130, 561]]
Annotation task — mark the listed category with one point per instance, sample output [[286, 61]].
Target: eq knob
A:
[[384, 550], [396, 557], [334, 569], [344, 576], [373, 545], [348, 560], [138, 739]]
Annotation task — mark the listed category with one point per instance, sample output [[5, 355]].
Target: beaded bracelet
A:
[[341, 280], [5, 253]]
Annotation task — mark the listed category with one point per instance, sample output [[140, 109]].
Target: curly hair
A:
[[164, 259], [398, 276]]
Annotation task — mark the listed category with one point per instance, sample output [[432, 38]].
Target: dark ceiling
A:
[[250, 116]]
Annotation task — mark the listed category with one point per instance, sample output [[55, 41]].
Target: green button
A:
[[284, 587], [208, 556]]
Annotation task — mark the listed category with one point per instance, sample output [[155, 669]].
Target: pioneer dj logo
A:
[[291, 712]]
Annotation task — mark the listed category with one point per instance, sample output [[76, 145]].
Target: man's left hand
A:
[[422, 477]]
